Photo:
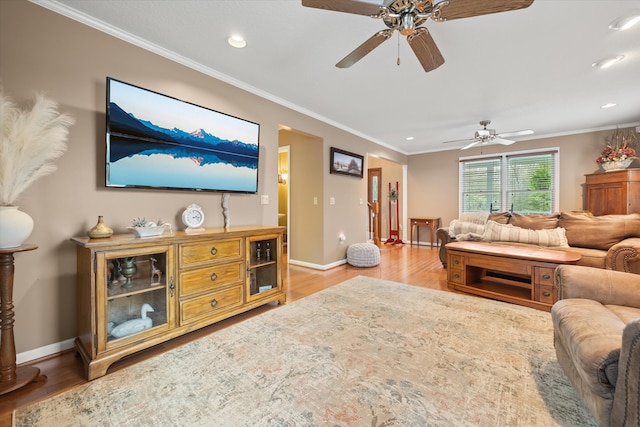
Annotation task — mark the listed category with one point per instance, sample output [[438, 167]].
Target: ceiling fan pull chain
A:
[[398, 61]]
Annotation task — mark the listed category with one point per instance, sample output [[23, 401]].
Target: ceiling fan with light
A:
[[486, 136], [407, 16]]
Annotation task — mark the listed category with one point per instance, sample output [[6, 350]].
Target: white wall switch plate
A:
[[332, 200], [264, 199]]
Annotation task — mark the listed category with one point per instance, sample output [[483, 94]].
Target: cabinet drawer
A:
[[546, 294], [544, 276], [456, 275], [455, 261], [210, 304], [210, 278], [214, 250]]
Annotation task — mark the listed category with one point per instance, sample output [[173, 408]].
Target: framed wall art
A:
[[346, 163]]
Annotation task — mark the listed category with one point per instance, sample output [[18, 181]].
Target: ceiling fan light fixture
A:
[[237, 41], [607, 62], [406, 24], [626, 21]]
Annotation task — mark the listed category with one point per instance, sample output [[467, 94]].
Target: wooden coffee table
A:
[[517, 274]]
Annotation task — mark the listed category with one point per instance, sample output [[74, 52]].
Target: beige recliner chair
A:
[[597, 339]]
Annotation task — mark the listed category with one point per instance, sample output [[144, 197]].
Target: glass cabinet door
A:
[[134, 294], [263, 275]]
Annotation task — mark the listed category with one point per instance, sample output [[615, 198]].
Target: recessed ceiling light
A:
[[607, 62], [608, 105], [626, 21], [237, 41], [409, 138]]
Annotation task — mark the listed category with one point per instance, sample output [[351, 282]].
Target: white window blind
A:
[[523, 182]]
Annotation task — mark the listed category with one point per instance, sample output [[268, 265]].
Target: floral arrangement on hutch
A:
[[618, 152], [29, 142]]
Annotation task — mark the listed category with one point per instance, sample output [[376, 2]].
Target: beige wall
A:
[[41, 50]]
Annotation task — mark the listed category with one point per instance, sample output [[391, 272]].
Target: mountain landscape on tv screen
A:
[[130, 135]]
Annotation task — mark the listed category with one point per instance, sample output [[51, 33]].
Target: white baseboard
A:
[[45, 351], [317, 266]]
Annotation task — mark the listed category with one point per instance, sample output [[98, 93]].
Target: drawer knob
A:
[[546, 294], [214, 302], [456, 276], [214, 250], [214, 277], [456, 262], [546, 277]]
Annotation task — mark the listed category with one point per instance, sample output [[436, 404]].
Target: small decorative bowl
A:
[[152, 231]]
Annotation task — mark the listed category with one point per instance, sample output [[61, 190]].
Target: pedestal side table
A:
[[11, 377]]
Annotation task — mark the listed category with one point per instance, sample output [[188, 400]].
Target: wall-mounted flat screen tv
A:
[[156, 141]]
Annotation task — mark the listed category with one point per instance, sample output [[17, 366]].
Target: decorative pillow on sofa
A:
[[599, 232], [535, 221], [466, 230], [500, 217], [474, 217], [495, 232]]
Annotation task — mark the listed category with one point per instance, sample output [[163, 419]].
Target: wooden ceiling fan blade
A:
[[425, 49], [347, 6], [457, 9], [516, 133], [366, 47]]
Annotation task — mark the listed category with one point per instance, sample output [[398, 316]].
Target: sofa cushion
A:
[[508, 233], [500, 217], [599, 232], [474, 217], [588, 257], [535, 221]]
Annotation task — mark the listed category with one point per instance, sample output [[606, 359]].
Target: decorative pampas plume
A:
[[29, 142]]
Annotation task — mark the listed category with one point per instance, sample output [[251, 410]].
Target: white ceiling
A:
[[525, 69]]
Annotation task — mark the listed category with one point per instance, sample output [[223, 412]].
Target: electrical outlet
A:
[[315, 200], [264, 199], [332, 200]]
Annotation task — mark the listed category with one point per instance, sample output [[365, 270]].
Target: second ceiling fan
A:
[[486, 136], [406, 16]]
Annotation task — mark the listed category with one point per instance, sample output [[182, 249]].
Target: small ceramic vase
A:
[[100, 230]]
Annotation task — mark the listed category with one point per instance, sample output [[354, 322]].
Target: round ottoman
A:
[[363, 255]]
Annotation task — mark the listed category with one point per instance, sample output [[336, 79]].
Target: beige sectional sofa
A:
[[609, 242]]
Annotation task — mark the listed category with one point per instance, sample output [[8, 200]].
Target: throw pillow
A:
[[474, 217], [461, 228], [495, 232], [599, 232], [534, 221], [500, 217]]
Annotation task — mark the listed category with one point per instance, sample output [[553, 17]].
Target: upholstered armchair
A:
[[597, 340]]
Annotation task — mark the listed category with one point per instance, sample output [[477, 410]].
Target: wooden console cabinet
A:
[[134, 293], [615, 192], [521, 275]]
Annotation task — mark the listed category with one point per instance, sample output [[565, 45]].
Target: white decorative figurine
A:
[[134, 325], [225, 209]]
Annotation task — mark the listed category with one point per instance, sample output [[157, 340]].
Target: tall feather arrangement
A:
[[30, 140]]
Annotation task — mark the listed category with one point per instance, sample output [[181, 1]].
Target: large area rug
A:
[[366, 352]]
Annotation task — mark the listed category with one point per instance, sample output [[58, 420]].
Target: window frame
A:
[[503, 157]]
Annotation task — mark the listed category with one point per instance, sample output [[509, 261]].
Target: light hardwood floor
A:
[[417, 265]]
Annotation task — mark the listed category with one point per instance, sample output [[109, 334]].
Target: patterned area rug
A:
[[366, 352]]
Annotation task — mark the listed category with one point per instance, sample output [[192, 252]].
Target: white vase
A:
[[15, 227], [616, 165]]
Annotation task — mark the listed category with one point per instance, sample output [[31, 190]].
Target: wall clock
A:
[[193, 218]]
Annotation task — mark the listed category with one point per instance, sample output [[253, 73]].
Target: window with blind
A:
[[523, 182]]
